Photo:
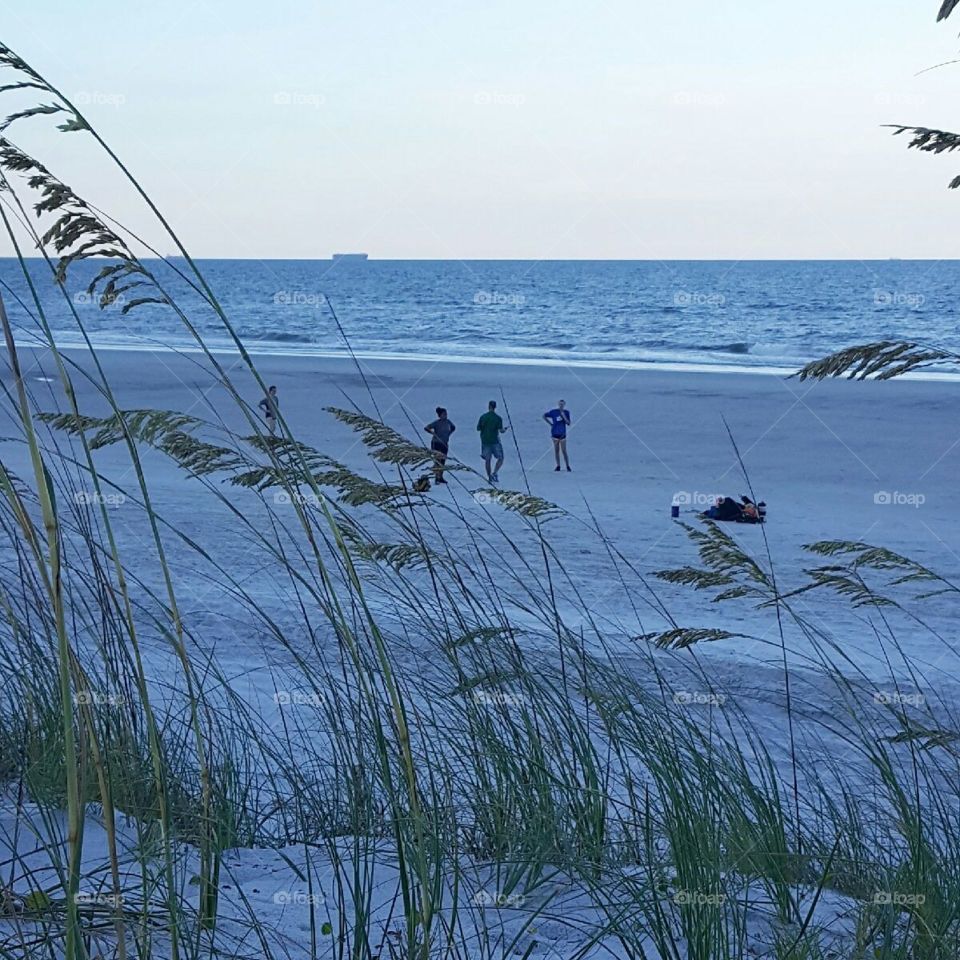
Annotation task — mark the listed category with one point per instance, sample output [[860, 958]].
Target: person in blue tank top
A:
[[559, 420]]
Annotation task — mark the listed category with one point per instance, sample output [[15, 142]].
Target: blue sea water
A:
[[724, 313]]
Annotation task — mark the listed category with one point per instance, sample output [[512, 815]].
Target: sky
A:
[[523, 129]]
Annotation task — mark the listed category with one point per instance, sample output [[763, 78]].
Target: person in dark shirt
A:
[[559, 420], [270, 405], [490, 426], [441, 430]]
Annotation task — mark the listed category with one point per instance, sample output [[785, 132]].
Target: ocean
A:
[[736, 314]]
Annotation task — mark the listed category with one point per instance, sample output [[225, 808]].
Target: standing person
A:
[[441, 429], [559, 420], [270, 406], [490, 426]]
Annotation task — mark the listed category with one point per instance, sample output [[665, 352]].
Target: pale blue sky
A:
[[513, 129]]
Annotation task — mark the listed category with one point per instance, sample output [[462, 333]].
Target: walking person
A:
[[441, 430], [559, 420], [490, 426], [270, 406]]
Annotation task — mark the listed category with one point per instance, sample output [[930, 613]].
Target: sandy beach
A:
[[867, 462]]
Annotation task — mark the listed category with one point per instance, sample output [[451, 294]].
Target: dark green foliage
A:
[[692, 577], [398, 556], [682, 637], [726, 564], [881, 361], [386, 444], [525, 504], [946, 9], [150, 426], [928, 738], [41, 109], [860, 558], [847, 584]]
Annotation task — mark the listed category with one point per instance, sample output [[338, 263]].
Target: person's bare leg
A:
[[496, 469], [556, 451], [486, 461], [566, 459]]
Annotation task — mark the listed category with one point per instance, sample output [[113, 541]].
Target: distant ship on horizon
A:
[[350, 256]]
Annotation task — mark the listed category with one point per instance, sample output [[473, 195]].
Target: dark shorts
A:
[[559, 436], [438, 446], [492, 451]]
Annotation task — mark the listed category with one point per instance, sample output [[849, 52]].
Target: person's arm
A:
[[453, 428], [566, 416], [546, 417], [480, 424], [429, 428]]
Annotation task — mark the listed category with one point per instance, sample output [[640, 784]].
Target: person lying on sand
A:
[[441, 429], [559, 420], [490, 426], [270, 406], [726, 508]]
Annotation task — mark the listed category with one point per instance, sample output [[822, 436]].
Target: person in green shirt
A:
[[490, 426]]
